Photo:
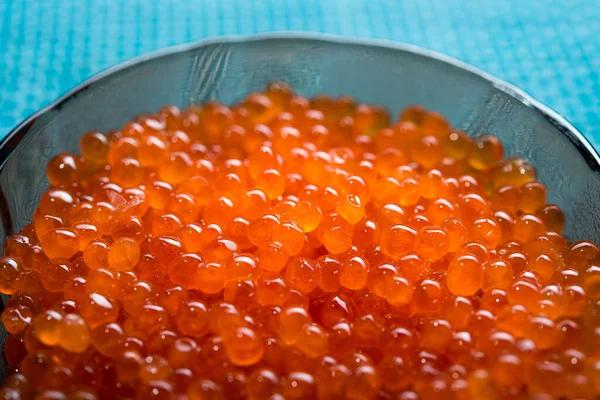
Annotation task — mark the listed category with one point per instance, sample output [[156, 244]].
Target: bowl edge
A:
[[585, 148]]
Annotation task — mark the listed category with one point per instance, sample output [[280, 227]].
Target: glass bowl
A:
[[226, 69]]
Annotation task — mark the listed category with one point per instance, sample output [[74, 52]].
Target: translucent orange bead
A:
[[86, 233], [154, 368], [552, 216], [210, 278], [524, 293], [367, 233], [124, 254], [427, 151], [255, 204], [514, 171], [428, 296], [533, 196], [313, 341], [184, 269], [10, 269], [271, 182], [498, 274], [220, 250], [435, 335], [337, 240], [152, 151], [101, 216], [298, 385], [440, 210], [386, 189], [184, 206], [410, 266], [61, 243], [279, 93], [243, 346], [379, 278], [74, 334], [364, 383], [97, 309], [219, 211], [414, 113], [109, 339], [575, 301], [165, 248], [458, 311], [543, 332], [330, 268], [435, 124], [291, 322], [62, 170], [95, 254], [56, 202], [126, 172], [284, 210], [176, 168], [272, 292], [431, 242], [94, 147], [505, 199], [302, 274], [272, 257], [28, 283], [514, 320], [455, 232], [388, 160], [472, 206], [465, 275], [260, 231], [354, 272], [55, 274], [458, 145], [45, 224], [486, 152], [16, 318], [581, 254], [350, 207], [242, 267], [431, 184], [528, 226], [486, 231], [400, 291], [397, 240], [192, 319], [204, 389], [409, 192], [336, 309], [158, 194], [121, 148], [262, 383], [307, 216], [290, 236]]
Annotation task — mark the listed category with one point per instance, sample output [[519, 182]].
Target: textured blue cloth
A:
[[549, 48]]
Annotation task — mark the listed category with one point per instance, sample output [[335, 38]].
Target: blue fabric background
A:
[[550, 48]]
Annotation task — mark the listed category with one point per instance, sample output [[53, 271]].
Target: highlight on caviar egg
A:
[[294, 248]]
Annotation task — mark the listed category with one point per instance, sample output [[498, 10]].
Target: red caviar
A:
[[294, 248]]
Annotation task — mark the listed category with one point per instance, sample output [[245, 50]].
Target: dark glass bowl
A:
[[226, 69]]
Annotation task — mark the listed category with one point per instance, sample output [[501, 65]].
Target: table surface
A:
[[549, 48]]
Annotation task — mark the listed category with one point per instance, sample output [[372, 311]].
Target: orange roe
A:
[[294, 248]]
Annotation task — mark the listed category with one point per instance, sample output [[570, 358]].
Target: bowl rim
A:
[[591, 156]]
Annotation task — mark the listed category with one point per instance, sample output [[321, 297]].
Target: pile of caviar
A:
[[294, 248]]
